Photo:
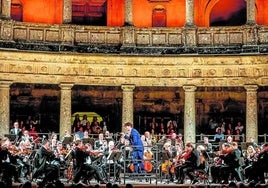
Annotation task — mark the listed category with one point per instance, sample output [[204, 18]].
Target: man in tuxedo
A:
[[16, 130]]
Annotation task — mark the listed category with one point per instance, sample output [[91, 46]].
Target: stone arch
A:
[[202, 11], [159, 17], [17, 10], [230, 13]]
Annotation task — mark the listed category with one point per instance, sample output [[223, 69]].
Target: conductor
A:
[[137, 153]]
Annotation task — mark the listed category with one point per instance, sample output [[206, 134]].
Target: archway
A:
[[159, 16], [16, 10], [228, 13]]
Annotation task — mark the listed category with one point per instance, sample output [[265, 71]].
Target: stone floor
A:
[[149, 184]]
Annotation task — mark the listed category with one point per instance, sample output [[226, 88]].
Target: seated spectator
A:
[[218, 136], [239, 127]]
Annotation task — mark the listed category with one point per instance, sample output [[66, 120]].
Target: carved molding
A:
[[116, 70]]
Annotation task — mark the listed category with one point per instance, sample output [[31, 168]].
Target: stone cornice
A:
[[117, 70]]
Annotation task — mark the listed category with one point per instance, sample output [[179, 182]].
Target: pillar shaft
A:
[[128, 12], [4, 107], [6, 9], [189, 13], [128, 104], [65, 108], [251, 112], [189, 114], [251, 18], [67, 11]]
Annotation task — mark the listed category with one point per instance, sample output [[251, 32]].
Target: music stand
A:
[[114, 155], [11, 137]]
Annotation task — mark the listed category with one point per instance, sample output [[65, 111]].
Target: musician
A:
[[190, 160], [207, 145], [250, 157], [112, 164], [83, 169], [174, 153], [231, 164], [60, 152], [217, 162], [137, 153], [99, 142], [7, 160], [260, 166], [16, 130], [45, 164], [121, 142]]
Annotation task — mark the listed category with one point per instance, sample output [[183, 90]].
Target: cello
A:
[[148, 166]]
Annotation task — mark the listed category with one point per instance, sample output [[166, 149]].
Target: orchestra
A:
[[82, 162]]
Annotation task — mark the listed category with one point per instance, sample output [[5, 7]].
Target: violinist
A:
[[250, 157], [231, 164], [190, 160], [8, 161], [217, 162], [83, 169], [260, 166], [111, 161], [44, 163], [60, 152]]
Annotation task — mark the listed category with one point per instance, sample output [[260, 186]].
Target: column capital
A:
[[251, 87], [66, 86], [129, 87], [5, 83], [189, 87]]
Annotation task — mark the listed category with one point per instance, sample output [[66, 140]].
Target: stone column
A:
[[65, 108], [251, 112], [6, 9], [67, 11], [128, 13], [251, 18], [189, 114], [4, 107], [128, 107], [189, 13]]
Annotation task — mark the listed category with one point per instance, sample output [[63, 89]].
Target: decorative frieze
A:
[[165, 71]]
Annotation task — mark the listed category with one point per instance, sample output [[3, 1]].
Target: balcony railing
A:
[[102, 39]]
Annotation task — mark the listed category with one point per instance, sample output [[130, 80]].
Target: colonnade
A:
[[128, 109], [67, 11]]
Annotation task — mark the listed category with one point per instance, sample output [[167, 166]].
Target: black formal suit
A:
[[192, 162], [45, 163], [17, 132], [82, 169], [259, 167], [231, 165]]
